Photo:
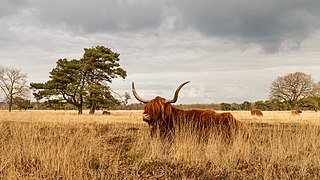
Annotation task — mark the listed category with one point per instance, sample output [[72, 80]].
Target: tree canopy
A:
[[84, 82], [291, 88], [13, 83]]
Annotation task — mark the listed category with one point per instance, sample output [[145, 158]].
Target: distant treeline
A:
[[267, 105]]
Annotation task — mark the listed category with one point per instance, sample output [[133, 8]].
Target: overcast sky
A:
[[230, 50]]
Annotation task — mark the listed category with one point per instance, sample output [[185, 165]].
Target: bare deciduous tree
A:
[[292, 87], [316, 90], [13, 83]]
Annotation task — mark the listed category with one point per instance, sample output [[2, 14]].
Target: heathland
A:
[[64, 145]]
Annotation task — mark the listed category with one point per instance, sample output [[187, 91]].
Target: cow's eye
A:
[[146, 118]]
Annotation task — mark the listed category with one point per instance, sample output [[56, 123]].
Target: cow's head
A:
[[158, 108]]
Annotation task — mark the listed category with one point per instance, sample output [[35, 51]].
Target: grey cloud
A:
[[273, 25], [100, 16], [5, 34], [9, 7], [267, 23]]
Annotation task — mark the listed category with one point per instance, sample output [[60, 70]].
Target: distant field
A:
[[71, 116], [64, 145], [135, 116]]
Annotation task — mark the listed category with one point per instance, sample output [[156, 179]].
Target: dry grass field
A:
[[64, 145]]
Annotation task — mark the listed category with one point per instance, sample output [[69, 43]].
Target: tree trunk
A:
[[92, 108], [79, 110], [37, 104], [10, 105], [80, 105], [10, 102]]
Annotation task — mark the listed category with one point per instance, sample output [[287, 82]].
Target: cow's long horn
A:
[[136, 95], [175, 98]]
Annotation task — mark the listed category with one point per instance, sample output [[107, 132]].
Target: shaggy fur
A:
[[168, 119], [106, 112], [296, 112], [256, 112]]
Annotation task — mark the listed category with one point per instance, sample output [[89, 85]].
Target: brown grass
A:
[[64, 145]]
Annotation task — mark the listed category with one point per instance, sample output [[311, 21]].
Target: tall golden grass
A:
[[64, 145]]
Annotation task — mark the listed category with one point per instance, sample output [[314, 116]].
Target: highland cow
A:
[[162, 116], [256, 112], [296, 112], [106, 113]]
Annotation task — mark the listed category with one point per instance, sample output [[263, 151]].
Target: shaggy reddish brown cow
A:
[[256, 112], [296, 112], [106, 112], [161, 115]]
